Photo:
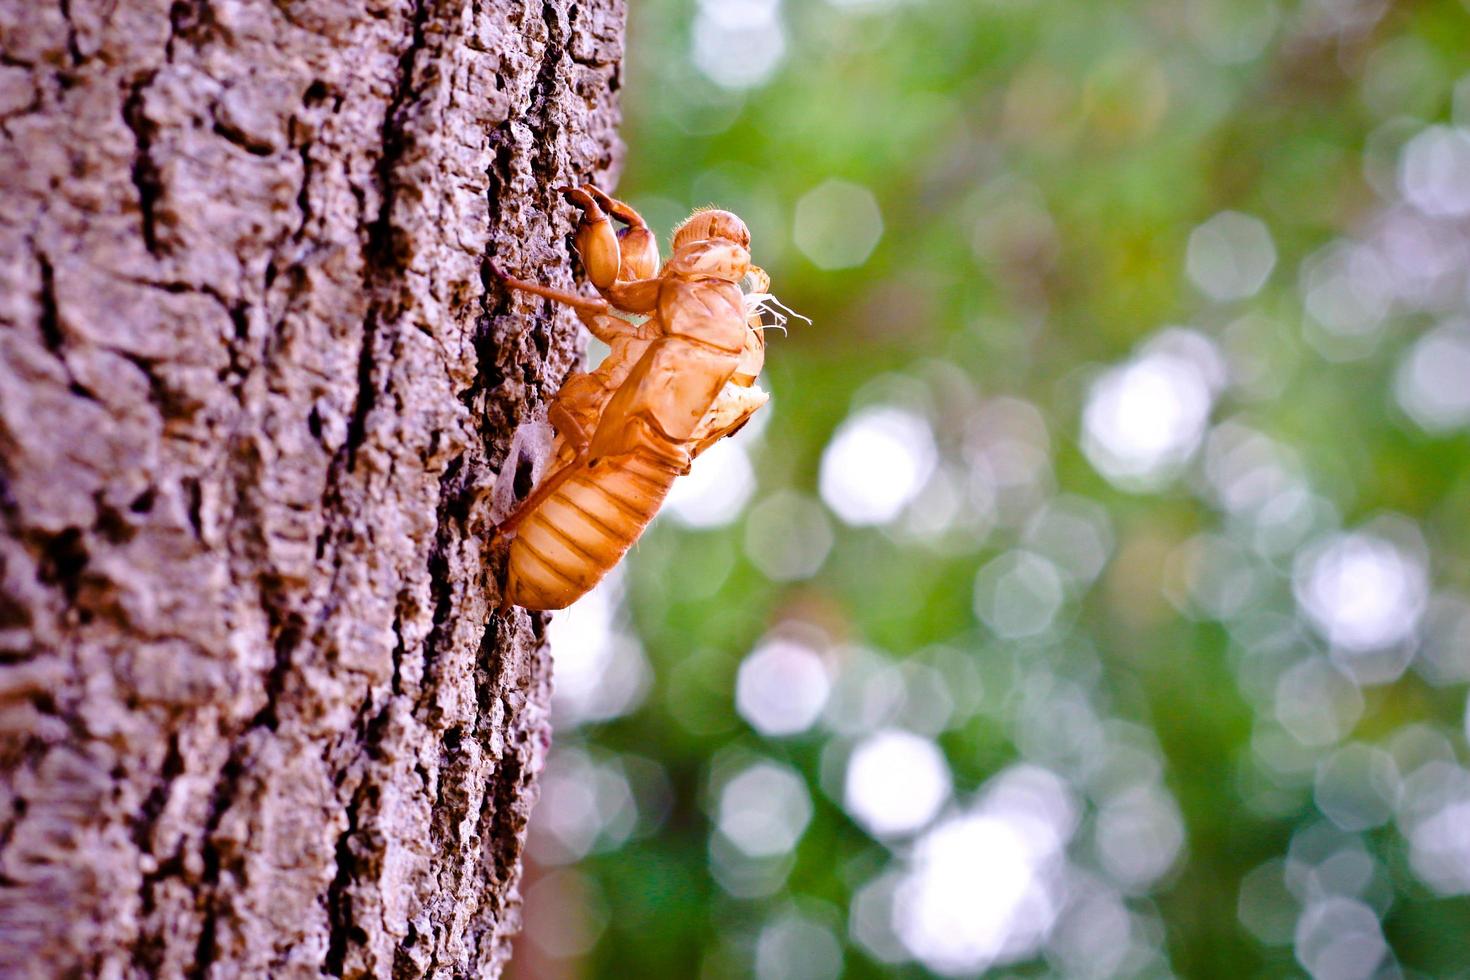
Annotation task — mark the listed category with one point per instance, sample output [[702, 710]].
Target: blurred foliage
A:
[[1049, 179]]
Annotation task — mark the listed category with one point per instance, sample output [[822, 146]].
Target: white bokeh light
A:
[[1444, 655], [565, 914], [599, 672], [1259, 483], [1356, 786], [1074, 534], [794, 947], [1441, 848], [1144, 419], [1434, 814], [584, 804], [1008, 451], [1316, 703], [975, 879], [1231, 33], [1361, 591], [1347, 289], [983, 887], [877, 462], [764, 809], [1056, 725], [896, 782], [738, 44], [870, 919], [1434, 172], [1339, 939], [1139, 836], [788, 536], [1221, 580], [1266, 906], [1018, 595], [1092, 939], [738, 13], [715, 490], [838, 224], [1425, 257], [868, 693], [1248, 471], [1431, 383], [1230, 256], [929, 698], [782, 687]]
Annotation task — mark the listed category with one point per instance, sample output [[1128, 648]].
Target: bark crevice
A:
[[147, 182]]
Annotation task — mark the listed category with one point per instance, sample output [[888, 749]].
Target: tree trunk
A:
[[258, 715]]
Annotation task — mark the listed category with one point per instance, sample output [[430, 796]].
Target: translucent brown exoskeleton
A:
[[670, 387]]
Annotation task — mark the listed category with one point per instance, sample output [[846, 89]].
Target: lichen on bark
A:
[[258, 715]]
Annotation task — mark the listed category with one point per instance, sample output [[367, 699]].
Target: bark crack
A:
[[147, 180], [394, 141], [50, 319], [72, 49], [339, 898]]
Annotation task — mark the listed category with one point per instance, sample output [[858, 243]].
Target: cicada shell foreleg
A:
[[611, 257], [597, 243], [637, 245], [623, 265], [595, 307]]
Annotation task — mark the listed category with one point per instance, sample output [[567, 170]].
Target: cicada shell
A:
[[669, 388]]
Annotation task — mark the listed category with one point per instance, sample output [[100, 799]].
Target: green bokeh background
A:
[[1040, 168]]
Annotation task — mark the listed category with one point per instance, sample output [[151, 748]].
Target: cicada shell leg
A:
[[593, 306]]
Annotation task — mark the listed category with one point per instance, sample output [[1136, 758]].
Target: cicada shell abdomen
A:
[[584, 528]]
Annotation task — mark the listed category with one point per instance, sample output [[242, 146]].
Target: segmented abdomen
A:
[[581, 531]]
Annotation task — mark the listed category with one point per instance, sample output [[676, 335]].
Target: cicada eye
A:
[[729, 227], [712, 223]]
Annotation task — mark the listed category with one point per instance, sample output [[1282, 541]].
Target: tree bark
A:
[[258, 715]]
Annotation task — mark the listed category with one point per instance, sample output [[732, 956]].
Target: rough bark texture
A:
[[258, 716]]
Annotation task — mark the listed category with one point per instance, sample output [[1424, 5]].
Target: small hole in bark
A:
[[522, 484], [240, 317], [315, 93], [194, 494], [143, 503], [62, 560], [180, 17], [114, 527], [493, 375], [12, 615]]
